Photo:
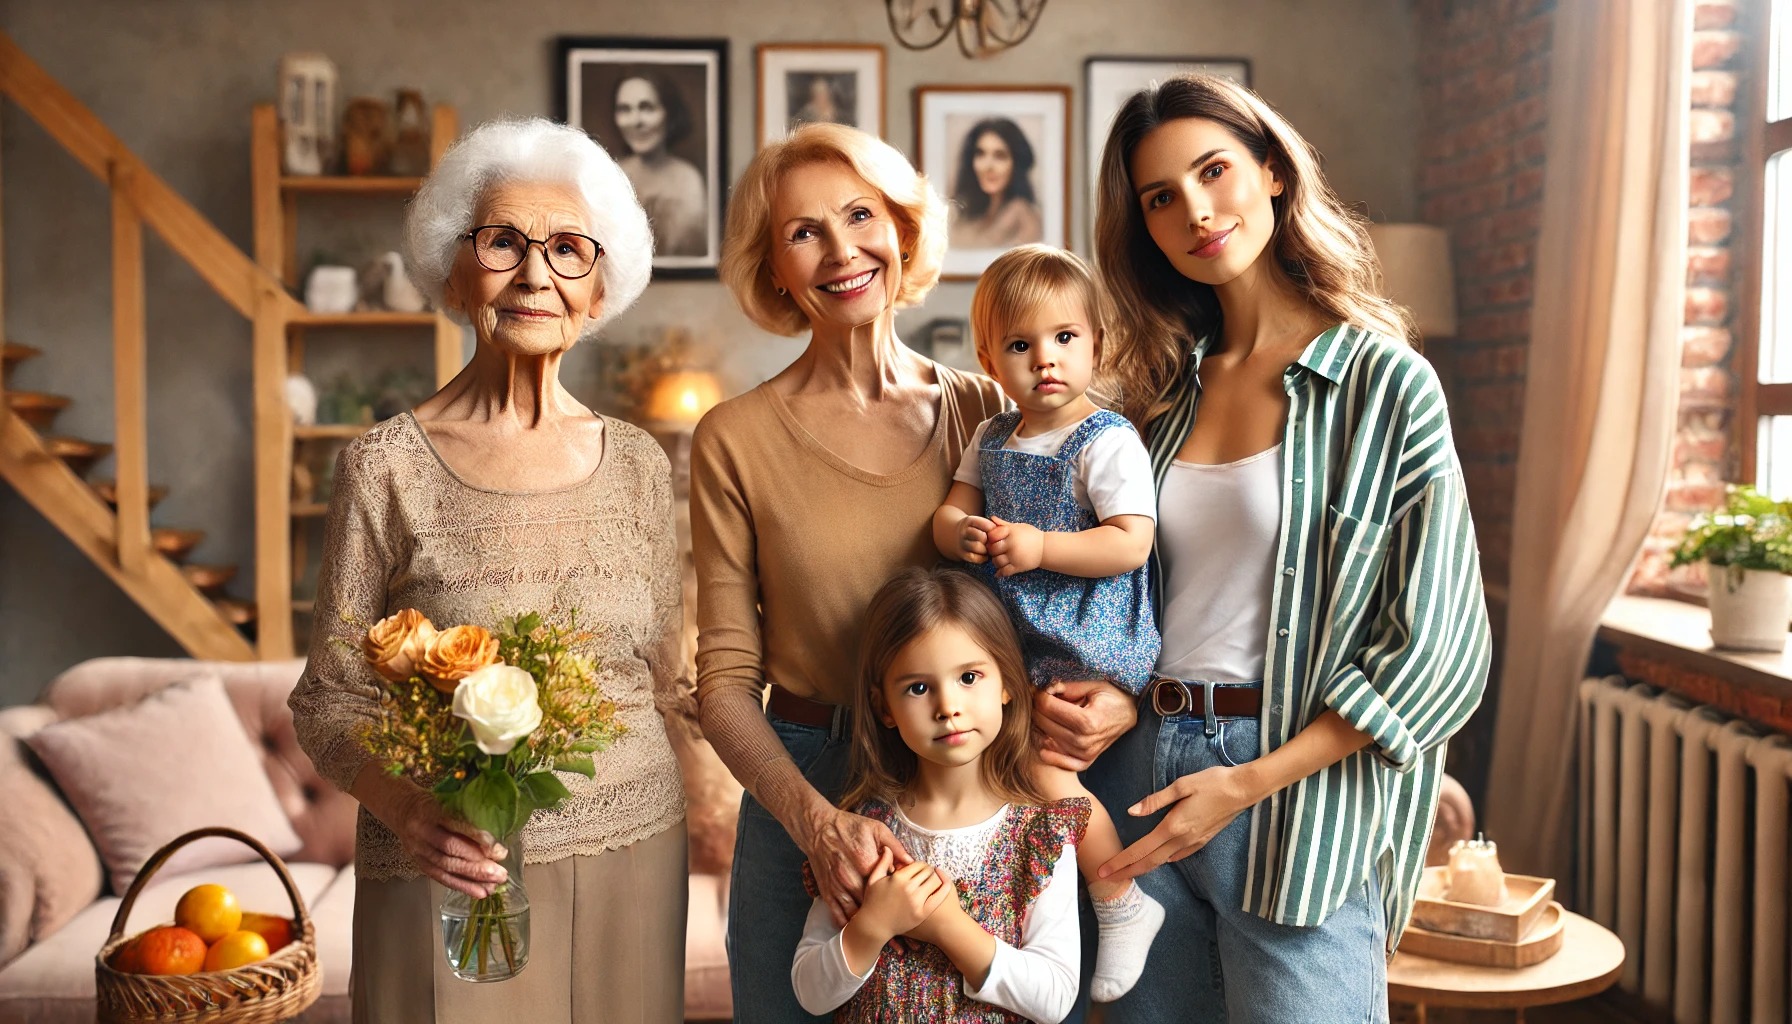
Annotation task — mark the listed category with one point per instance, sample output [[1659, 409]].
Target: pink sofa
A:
[[55, 912]]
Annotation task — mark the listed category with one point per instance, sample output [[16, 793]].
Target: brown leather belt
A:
[[1170, 697], [802, 710]]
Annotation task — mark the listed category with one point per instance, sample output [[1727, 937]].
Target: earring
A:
[[781, 292], [905, 257]]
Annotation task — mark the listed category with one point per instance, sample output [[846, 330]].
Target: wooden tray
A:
[[1526, 899], [1542, 943]]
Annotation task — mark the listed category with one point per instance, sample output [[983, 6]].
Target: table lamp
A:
[[1416, 273]]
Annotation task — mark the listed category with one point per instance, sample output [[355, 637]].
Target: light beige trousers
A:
[[606, 944]]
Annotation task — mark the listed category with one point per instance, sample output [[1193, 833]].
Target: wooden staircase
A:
[[109, 520]]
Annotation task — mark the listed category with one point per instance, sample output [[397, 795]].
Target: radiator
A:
[[1684, 852]]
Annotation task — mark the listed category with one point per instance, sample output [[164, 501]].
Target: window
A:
[[1765, 324]]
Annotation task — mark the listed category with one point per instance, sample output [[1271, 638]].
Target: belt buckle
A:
[[1184, 703]]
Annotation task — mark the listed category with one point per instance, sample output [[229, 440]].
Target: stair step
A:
[[36, 407], [12, 354], [108, 492], [208, 579], [237, 613], [80, 455], [173, 543]]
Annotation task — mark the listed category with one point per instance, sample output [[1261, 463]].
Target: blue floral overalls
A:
[[1071, 628]]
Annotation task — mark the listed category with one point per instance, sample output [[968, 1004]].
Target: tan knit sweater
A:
[[790, 544], [405, 532]]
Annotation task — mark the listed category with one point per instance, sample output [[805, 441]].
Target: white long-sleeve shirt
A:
[[1037, 979]]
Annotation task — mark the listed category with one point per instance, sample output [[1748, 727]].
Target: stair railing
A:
[[141, 198]]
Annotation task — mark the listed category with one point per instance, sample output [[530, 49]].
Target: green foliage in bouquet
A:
[[458, 712], [1751, 531]]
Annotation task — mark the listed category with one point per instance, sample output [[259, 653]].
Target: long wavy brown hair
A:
[[1319, 244], [913, 603]]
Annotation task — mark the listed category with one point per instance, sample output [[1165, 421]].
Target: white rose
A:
[[501, 704]]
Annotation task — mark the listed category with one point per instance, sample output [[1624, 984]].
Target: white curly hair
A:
[[535, 150]]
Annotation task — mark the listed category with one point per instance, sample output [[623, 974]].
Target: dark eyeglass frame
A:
[[473, 236]]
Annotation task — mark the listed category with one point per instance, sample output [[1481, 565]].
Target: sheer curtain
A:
[[1601, 389]]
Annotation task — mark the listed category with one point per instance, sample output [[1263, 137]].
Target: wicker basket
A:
[[275, 989]]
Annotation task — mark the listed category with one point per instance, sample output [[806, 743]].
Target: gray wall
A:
[[175, 79]]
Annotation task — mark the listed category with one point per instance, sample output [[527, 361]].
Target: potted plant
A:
[[1748, 545]]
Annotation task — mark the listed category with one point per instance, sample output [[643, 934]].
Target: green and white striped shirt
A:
[[1377, 613]]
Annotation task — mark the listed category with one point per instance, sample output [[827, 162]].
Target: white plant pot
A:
[[1749, 608]]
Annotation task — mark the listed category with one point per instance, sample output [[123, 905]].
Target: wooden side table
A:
[[1589, 962]]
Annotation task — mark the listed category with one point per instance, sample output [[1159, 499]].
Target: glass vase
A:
[[488, 939]]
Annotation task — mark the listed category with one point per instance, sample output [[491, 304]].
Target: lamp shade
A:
[[683, 396], [1416, 273]]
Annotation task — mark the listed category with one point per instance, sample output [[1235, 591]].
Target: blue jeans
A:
[[1214, 962], [766, 901]]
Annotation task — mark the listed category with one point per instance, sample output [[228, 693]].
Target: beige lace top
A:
[[405, 532]]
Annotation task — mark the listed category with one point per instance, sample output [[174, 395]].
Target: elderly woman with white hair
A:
[[499, 494]]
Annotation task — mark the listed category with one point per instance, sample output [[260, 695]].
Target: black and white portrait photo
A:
[[658, 107], [801, 84]]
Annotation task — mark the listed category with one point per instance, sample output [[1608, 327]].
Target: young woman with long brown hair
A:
[[1319, 594]]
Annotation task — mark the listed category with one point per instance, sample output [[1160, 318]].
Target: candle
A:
[[1475, 875]]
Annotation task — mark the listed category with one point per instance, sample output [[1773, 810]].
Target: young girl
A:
[[1057, 497], [942, 755]]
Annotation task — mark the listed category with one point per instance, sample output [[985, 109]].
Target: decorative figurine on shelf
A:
[[366, 136], [385, 285], [1475, 874], [301, 399], [410, 151], [330, 289], [307, 113]]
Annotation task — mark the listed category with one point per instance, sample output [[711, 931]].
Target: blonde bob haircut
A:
[[1019, 282], [1319, 244], [920, 215]]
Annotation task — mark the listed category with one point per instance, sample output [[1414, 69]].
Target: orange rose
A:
[[456, 653], [395, 644]]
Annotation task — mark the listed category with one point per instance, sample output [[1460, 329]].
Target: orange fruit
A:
[[209, 911], [128, 958], [235, 950], [169, 949], [277, 930]]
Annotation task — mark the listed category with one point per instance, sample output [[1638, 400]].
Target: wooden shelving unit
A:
[[281, 524]]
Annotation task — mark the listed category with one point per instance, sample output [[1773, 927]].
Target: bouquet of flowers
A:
[[487, 719]]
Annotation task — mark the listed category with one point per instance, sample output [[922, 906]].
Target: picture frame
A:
[[845, 83], [1109, 81], [1026, 128], [660, 107]]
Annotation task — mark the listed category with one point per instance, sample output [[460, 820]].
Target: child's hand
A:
[[973, 539], [944, 914], [896, 901], [1015, 547]]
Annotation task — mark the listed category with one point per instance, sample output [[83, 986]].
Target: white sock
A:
[[1126, 925]]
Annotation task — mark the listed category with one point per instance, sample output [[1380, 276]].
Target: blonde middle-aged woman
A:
[[502, 494], [808, 492]]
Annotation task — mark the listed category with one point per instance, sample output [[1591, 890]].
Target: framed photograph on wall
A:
[[838, 82], [1108, 82], [660, 107], [1001, 157]]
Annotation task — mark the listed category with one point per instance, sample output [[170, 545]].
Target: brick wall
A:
[[1483, 79], [1704, 451]]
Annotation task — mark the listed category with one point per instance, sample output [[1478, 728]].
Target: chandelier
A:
[[983, 27]]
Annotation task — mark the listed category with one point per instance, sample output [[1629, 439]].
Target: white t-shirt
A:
[[1113, 471], [1217, 541], [1037, 979]]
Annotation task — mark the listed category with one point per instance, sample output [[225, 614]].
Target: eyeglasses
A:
[[499, 247]]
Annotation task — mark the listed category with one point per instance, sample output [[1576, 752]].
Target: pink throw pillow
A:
[[142, 774]]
